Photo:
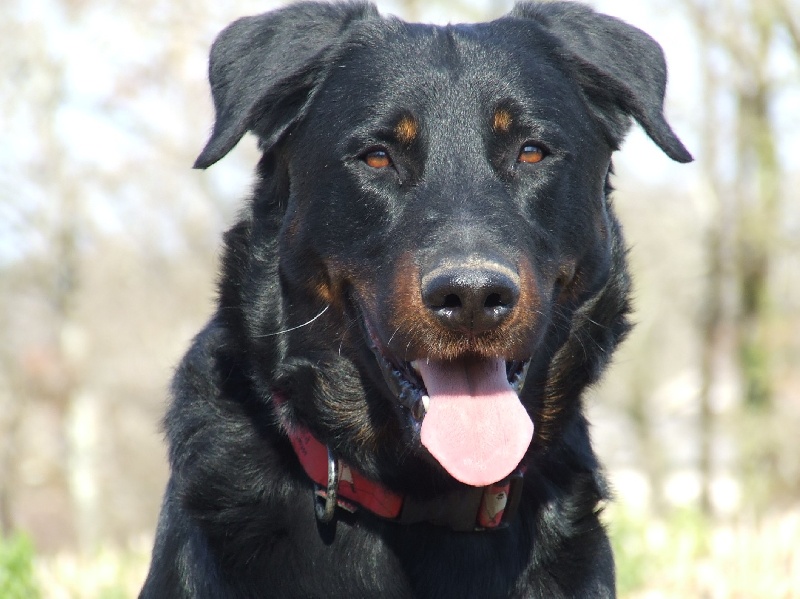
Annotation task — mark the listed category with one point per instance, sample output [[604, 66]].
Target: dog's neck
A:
[[339, 485]]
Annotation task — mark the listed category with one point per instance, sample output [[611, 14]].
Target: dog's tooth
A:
[[518, 380], [420, 408]]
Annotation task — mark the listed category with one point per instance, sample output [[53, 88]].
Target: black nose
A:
[[471, 298]]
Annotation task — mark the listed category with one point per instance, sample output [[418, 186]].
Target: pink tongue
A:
[[475, 425]]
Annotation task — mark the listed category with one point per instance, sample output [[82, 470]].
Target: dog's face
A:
[[454, 203], [445, 210], [450, 209]]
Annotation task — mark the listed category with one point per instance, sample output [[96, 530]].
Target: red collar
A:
[[339, 484]]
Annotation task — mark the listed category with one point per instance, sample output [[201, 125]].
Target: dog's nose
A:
[[471, 298]]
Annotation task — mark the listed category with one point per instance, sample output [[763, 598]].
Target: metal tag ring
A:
[[325, 507]]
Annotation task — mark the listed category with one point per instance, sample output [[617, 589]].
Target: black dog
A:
[[430, 231]]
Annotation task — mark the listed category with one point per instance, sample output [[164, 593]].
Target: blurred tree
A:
[[99, 126], [743, 181]]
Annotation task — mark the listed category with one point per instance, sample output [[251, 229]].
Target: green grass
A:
[[684, 554], [17, 575], [646, 548]]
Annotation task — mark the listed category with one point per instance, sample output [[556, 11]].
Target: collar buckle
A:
[[500, 502], [472, 510]]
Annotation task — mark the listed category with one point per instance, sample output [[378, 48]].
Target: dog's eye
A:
[[531, 154], [377, 159]]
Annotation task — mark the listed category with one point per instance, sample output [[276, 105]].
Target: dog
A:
[[427, 275]]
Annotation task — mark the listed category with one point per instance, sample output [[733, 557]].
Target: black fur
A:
[[322, 246]]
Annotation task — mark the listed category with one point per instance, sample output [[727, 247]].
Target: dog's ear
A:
[[263, 70], [620, 68]]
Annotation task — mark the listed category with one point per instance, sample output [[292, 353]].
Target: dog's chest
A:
[[376, 559]]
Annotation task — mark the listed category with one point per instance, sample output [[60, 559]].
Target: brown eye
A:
[[378, 159], [531, 154]]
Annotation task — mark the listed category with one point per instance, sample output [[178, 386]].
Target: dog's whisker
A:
[[344, 333], [300, 326], [598, 324]]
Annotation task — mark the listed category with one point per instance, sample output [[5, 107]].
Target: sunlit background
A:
[[108, 253]]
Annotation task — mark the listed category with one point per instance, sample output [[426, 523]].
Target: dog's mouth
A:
[[466, 412]]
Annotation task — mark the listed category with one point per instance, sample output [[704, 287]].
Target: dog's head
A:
[[436, 198]]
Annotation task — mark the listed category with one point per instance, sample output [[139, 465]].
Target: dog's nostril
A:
[[494, 301], [451, 300]]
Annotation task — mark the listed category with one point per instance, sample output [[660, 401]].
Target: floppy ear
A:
[[620, 68], [263, 70]]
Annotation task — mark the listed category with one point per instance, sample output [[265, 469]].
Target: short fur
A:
[[329, 247]]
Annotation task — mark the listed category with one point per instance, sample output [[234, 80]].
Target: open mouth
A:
[[405, 382], [466, 412]]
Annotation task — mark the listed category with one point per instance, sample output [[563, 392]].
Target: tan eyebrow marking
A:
[[502, 121], [406, 129]]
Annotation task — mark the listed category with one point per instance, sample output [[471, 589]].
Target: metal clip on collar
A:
[[325, 502]]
